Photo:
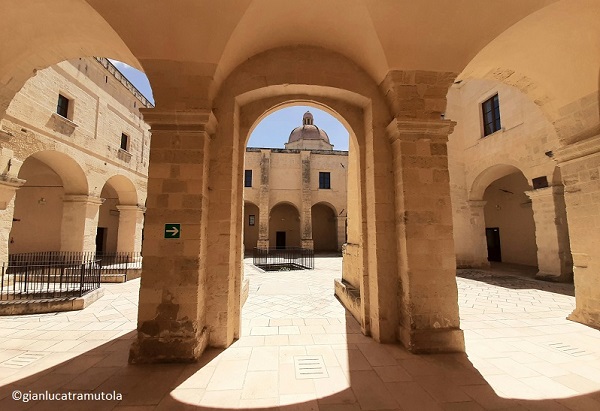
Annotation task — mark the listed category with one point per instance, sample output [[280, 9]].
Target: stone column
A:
[[172, 307], [264, 200], [8, 189], [341, 231], [551, 234], [580, 169], [429, 320], [478, 257], [79, 223], [306, 212], [131, 222]]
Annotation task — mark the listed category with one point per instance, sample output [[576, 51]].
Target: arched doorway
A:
[[325, 230], [509, 223], [284, 226]]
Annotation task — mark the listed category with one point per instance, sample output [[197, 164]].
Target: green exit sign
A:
[[172, 230]]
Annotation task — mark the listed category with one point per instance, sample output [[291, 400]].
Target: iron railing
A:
[[284, 259], [119, 262], [69, 275]]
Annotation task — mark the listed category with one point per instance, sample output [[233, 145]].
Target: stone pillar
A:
[[580, 169], [429, 320], [8, 189], [264, 200], [131, 222], [306, 212], [551, 234], [478, 257], [172, 307], [79, 223], [341, 231]]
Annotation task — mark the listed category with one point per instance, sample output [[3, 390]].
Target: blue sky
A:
[[275, 129]]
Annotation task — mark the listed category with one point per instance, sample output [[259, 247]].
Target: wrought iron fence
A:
[[56, 276], [284, 259], [119, 262]]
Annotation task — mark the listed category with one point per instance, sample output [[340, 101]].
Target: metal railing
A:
[[58, 276], [284, 259], [119, 262]]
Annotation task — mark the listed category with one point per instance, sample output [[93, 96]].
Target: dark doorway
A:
[[492, 236], [280, 240], [100, 239]]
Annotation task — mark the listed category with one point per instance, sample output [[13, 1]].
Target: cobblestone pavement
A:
[[299, 350]]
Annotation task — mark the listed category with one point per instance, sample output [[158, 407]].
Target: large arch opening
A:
[[284, 226], [251, 225], [51, 178]]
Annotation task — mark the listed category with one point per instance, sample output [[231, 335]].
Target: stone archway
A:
[[284, 226], [58, 186], [121, 218]]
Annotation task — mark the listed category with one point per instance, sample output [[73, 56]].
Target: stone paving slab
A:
[[522, 353]]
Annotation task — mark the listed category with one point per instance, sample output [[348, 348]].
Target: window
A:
[[248, 178], [491, 115], [324, 180], [124, 142], [251, 219], [62, 108]]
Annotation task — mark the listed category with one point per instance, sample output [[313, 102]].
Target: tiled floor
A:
[[300, 351]]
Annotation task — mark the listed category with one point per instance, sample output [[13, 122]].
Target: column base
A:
[[308, 244], [591, 319], [556, 278], [175, 349], [349, 296], [432, 341], [262, 244]]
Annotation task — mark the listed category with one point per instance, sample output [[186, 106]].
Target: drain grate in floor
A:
[[568, 349], [309, 367], [22, 360]]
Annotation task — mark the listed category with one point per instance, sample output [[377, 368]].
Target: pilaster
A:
[[172, 307], [79, 223], [131, 223], [264, 199], [478, 255], [551, 234], [580, 169], [306, 211]]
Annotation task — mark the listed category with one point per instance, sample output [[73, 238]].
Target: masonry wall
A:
[[476, 161], [83, 149]]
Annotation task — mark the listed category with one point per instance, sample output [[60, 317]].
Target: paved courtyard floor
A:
[[299, 350]]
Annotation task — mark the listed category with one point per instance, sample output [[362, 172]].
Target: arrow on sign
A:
[[173, 231]]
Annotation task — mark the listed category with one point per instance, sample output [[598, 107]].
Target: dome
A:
[[308, 131]]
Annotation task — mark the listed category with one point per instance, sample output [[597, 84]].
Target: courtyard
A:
[[300, 350]]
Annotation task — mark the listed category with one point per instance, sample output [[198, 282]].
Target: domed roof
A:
[[308, 131]]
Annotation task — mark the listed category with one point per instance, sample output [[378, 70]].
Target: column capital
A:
[[131, 208], [578, 150], [413, 130], [181, 121], [546, 192], [82, 198]]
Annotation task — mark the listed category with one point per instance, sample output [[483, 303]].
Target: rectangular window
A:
[[324, 180], [62, 108], [248, 178], [124, 142], [491, 115], [251, 219]]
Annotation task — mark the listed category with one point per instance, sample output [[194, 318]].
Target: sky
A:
[[273, 131]]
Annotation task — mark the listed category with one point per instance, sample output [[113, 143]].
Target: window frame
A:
[[125, 136], [491, 106], [251, 220], [324, 180], [248, 178], [66, 109]]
